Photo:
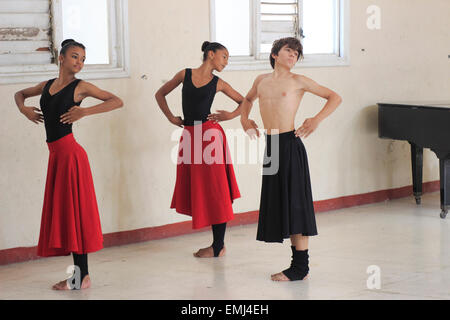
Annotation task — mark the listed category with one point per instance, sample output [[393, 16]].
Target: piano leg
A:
[[444, 170], [417, 168]]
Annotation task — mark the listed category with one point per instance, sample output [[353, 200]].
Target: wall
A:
[[129, 149]]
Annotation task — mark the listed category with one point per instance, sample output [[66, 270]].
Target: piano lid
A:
[[426, 104]]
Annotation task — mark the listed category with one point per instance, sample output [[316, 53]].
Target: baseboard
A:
[[22, 254]]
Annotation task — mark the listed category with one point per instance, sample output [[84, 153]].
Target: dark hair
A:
[[292, 43], [69, 43], [211, 46]]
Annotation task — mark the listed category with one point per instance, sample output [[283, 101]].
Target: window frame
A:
[[119, 66], [256, 61]]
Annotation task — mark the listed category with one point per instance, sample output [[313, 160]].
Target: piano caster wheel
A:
[[418, 200], [444, 214]]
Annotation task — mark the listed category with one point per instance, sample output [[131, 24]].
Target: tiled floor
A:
[[410, 244]]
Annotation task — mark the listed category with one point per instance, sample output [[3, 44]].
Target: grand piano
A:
[[423, 125]]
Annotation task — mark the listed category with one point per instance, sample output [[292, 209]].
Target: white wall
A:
[[129, 149]]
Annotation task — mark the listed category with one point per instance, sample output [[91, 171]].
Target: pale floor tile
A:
[[410, 244]]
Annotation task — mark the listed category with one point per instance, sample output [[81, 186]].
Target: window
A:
[[87, 20], [248, 29], [31, 32]]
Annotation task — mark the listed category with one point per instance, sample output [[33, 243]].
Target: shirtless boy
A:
[[286, 207]]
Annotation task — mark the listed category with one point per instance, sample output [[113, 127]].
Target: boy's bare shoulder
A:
[[265, 75], [302, 81], [262, 77], [299, 77]]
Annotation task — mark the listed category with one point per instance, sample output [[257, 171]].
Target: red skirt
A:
[[70, 219], [206, 185]]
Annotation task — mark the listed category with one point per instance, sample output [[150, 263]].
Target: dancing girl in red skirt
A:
[[205, 186], [70, 220]]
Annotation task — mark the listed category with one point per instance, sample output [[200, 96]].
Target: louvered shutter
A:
[[276, 19], [25, 32]]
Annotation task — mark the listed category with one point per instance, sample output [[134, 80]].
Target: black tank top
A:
[[197, 101], [54, 106]]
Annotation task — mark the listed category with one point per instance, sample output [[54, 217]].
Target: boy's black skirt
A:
[[286, 206]]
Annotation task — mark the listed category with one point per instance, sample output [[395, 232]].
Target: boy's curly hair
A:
[[292, 43]]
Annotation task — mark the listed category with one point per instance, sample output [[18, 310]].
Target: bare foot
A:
[[62, 285], [208, 253], [86, 282], [282, 277], [279, 277]]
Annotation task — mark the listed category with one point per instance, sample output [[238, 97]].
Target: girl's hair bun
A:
[[66, 42], [205, 45]]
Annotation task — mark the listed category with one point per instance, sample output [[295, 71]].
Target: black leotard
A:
[[53, 106], [197, 101]]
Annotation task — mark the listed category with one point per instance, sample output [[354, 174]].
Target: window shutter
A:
[[25, 32], [276, 19]]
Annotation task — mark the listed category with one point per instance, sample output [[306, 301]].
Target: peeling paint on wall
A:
[[15, 34]]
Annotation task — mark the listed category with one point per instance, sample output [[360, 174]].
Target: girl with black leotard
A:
[[70, 220], [204, 189]]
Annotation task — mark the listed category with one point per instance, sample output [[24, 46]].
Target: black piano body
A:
[[423, 125]]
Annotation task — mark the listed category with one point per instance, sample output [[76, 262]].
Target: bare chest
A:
[[278, 90]]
